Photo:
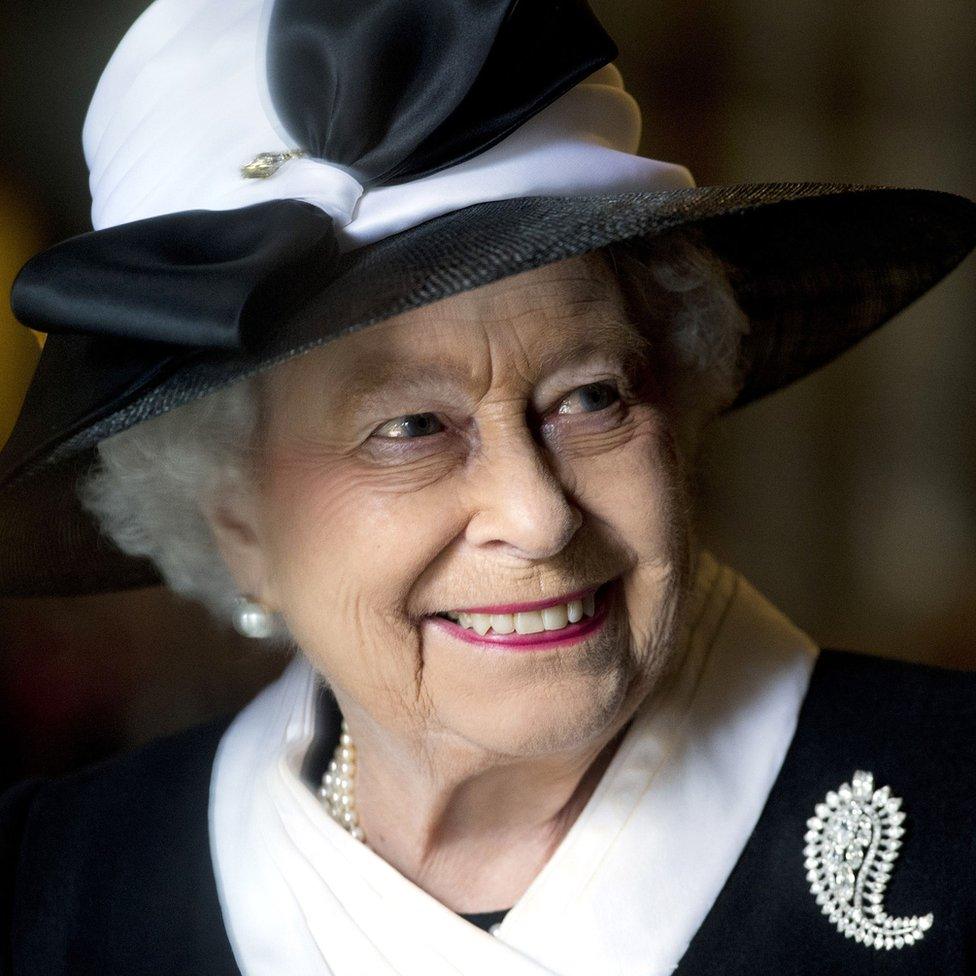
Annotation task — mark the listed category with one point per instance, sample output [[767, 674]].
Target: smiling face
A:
[[502, 446]]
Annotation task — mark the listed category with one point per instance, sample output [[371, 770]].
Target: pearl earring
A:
[[252, 618]]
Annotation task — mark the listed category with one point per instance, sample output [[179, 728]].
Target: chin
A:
[[553, 715]]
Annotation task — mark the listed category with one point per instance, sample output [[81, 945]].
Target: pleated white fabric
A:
[[623, 894], [183, 104]]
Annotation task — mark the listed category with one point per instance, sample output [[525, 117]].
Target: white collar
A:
[[623, 894]]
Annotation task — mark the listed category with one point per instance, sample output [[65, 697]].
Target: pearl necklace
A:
[[336, 791]]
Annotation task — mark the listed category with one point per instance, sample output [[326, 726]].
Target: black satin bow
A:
[[394, 89]]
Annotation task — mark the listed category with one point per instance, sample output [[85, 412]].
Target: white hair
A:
[[147, 489]]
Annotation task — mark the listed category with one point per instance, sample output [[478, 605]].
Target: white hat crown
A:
[[183, 105]]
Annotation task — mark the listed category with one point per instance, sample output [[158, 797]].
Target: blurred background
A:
[[847, 498]]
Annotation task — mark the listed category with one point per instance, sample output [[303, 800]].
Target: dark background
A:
[[847, 498]]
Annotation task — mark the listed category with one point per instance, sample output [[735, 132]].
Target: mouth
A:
[[566, 619]]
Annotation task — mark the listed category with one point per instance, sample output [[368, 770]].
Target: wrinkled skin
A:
[[441, 460]]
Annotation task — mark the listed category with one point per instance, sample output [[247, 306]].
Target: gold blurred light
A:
[[20, 347]]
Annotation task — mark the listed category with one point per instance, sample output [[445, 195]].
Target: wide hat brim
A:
[[815, 266]]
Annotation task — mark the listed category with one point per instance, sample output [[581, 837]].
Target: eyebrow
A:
[[627, 348]]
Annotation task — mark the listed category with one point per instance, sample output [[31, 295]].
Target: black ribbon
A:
[[394, 89], [185, 278], [399, 89]]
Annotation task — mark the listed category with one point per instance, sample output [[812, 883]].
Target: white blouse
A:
[[628, 886]]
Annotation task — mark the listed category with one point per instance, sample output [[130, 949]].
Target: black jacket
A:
[[108, 871]]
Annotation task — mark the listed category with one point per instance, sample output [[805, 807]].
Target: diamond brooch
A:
[[268, 163], [852, 843]]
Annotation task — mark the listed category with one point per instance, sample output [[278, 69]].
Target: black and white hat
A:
[[269, 174]]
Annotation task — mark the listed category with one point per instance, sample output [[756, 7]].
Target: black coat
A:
[[108, 871]]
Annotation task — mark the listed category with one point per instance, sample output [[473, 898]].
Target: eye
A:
[[593, 397], [410, 426]]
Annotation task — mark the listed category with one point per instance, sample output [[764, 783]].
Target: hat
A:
[[267, 176]]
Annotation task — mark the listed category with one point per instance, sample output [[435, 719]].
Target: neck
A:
[[469, 827]]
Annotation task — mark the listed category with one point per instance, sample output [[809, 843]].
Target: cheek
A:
[[636, 497], [347, 545], [341, 517], [631, 490]]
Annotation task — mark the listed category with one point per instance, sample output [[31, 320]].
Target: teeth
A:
[[503, 623], [555, 618], [530, 622], [481, 622]]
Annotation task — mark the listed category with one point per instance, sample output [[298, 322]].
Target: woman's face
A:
[[503, 446]]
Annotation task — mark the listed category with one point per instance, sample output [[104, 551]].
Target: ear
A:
[[235, 521]]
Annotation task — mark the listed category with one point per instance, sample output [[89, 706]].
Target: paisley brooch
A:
[[852, 843]]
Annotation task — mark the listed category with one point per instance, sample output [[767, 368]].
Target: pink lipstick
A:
[[544, 640]]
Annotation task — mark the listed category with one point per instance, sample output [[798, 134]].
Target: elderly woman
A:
[[398, 357]]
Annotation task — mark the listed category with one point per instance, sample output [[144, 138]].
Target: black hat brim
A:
[[816, 267]]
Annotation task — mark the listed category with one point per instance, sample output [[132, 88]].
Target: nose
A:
[[519, 502]]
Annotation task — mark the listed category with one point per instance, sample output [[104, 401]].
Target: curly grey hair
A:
[[148, 486]]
